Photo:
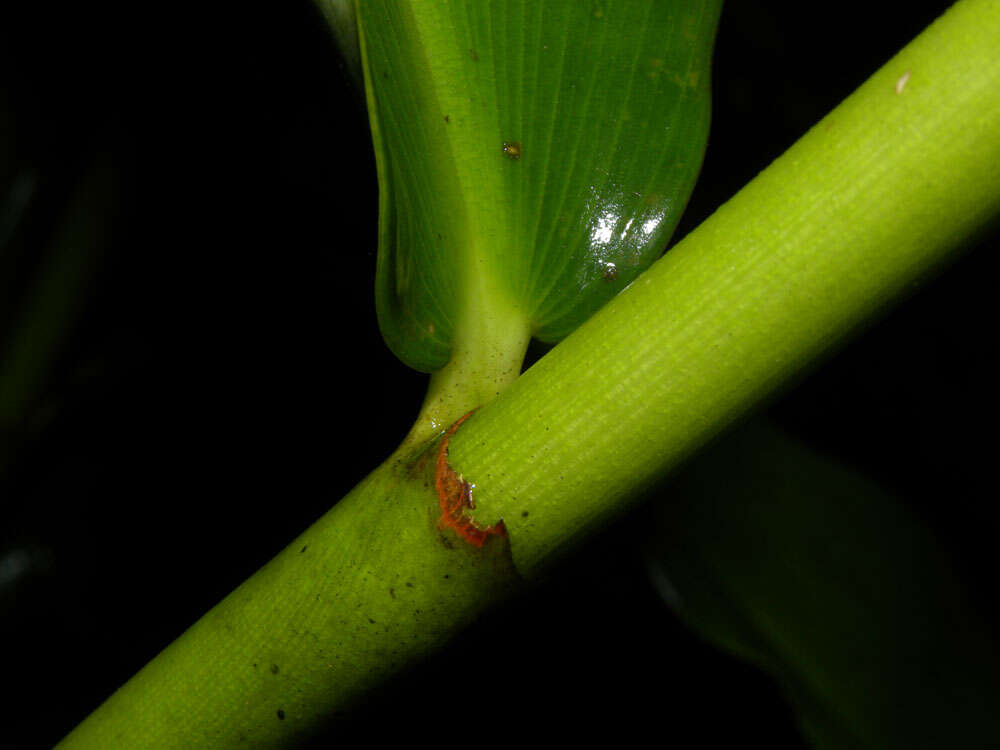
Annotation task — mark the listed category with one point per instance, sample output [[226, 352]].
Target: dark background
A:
[[225, 382]]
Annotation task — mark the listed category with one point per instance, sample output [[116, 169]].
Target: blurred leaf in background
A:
[[817, 575], [50, 257]]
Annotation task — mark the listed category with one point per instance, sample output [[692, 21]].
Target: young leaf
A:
[[533, 158]]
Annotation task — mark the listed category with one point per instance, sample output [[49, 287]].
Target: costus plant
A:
[[533, 161]]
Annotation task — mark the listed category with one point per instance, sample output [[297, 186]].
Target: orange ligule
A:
[[455, 497]]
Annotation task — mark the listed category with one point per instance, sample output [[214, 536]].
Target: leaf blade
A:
[[546, 148]]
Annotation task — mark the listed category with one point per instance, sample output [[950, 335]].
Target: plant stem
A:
[[883, 190], [368, 588], [873, 198]]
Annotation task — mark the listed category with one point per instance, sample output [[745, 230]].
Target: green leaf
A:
[[533, 157], [833, 586], [340, 16], [47, 273]]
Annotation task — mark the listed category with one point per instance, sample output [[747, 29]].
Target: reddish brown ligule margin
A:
[[455, 497]]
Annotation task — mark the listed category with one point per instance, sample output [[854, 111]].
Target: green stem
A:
[[883, 190], [371, 586]]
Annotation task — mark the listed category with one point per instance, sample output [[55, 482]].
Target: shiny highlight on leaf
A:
[[524, 149]]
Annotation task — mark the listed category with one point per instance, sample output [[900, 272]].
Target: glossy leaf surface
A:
[[534, 156]]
